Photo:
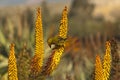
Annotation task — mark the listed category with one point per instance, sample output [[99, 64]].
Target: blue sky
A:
[[17, 2], [11, 2]]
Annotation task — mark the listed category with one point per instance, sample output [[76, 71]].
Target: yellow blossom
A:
[[12, 68], [98, 69], [37, 61], [53, 61], [107, 61]]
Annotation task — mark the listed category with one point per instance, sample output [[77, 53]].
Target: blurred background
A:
[[91, 23]]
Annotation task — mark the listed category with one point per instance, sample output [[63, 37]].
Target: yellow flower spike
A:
[[55, 57], [64, 24], [12, 68], [39, 35], [98, 69], [53, 61], [107, 61], [37, 61]]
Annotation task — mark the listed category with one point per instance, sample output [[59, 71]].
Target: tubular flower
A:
[[37, 61], [12, 68], [107, 61], [64, 24], [98, 69], [53, 61]]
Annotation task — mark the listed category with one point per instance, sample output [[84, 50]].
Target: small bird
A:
[[57, 41]]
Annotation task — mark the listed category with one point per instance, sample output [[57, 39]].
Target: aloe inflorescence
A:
[[12, 66], [102, 70], [37, 60]]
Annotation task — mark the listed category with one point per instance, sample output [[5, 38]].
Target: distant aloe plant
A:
[[98, 69], [102, 70]]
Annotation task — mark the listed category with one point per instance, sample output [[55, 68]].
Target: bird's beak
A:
[[51, 46]]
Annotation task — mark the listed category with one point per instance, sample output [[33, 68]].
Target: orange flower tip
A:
[[65, 9], [107, 43], [12, 45], [38, 10], [97, 56]]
